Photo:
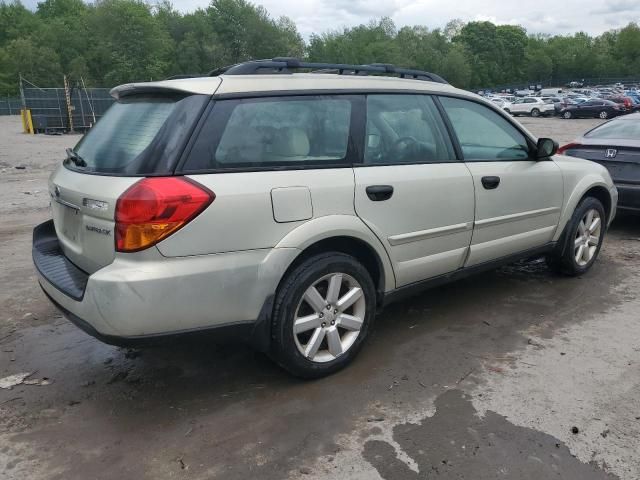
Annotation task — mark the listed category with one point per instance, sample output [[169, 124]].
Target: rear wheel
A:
[[322, 314], [603, 115], [567, 115], [582, 239], [535, 112]]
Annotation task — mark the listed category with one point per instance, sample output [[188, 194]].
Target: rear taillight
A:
[[566, 147], [154, 208]]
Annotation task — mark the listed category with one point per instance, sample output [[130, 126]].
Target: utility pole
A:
[[67, 94], [24, 102], [93, 113]]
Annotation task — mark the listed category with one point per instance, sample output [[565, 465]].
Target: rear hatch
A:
[[142, 134]]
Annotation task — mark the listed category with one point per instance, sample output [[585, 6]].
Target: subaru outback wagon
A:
[[290, 201]]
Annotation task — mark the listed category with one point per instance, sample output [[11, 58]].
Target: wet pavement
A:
[[515, 373]]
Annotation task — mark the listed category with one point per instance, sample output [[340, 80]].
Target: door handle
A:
[[379, 193], [490, 183]]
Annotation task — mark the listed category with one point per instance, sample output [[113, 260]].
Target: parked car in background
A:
[[502, 103], [635, 103], [616, 145], [533, 106], [622, 100], [562, 104], [251, 201], [595, 108], [555, 101], [550, 91]]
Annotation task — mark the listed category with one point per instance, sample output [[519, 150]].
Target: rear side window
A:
[[139, 135], [484, 135], [274, 132], [405, 129]]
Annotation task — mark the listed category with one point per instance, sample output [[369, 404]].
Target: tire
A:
[[327, 340], [535, 112], [567, 115], [603, 115], [508, 111], [571, 257]]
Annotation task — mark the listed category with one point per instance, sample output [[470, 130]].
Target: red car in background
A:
[[623, 101]]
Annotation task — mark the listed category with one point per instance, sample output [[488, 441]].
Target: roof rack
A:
[[289, 64], [182, 76]]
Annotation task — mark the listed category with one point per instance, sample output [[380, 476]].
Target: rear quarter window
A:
[[285, 132]]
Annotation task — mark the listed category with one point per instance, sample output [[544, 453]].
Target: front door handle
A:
[[490, 183], [379, 193]]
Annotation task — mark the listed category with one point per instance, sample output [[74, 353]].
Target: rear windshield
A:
[[139, 135], [625, 129]]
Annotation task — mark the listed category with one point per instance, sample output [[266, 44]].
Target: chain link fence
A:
[[10, 105], [49, 111]]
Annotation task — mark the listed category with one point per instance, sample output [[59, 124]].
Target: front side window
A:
[[484, 135], [405, 129], [273, 132]]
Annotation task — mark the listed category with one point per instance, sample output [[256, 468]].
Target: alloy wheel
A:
[[567, 114], [603, 115], [587, 237], [329, 317]]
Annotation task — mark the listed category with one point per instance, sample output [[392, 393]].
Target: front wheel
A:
[[604, 115], [567, 115], [535, 112], [322, 314], [582, 239]]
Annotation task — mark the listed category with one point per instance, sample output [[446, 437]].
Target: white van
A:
[[545, 92]]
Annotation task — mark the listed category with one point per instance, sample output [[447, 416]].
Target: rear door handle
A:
[[379, 193], [490, 183]]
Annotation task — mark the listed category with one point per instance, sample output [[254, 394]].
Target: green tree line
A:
[[109, 42]]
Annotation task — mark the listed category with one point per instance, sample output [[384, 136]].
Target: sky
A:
[[537, 16]]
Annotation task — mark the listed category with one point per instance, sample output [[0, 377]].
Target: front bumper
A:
[[146, 295]]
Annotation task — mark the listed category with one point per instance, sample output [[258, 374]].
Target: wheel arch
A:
[[590, 186], [601, 193], [345, 234]]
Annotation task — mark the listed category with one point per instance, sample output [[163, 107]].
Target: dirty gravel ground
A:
[[480, 379]]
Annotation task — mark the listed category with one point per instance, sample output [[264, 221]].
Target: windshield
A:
[[138, 135], [619, 129]]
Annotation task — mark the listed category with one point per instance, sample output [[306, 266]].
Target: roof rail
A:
[[288, 64], [182, 76]]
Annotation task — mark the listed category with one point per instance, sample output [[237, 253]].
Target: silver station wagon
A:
[[290, 201]]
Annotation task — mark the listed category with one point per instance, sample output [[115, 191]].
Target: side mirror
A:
[[546, 148]]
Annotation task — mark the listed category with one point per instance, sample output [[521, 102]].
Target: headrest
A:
[[291, 142]]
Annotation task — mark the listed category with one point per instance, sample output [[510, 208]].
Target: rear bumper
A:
[[145, 295], [628, 197]]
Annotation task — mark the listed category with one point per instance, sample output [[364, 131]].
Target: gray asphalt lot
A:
[[515, 373]]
